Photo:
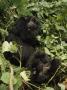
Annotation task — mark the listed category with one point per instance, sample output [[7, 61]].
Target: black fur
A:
[[25, 29], [24, 32], [43, 68]]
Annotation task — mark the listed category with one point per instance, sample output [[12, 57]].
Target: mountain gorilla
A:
[[42, 66], [24, 32], [25, 29]]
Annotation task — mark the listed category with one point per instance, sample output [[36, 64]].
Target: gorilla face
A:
[[32, 25], [31, 29]]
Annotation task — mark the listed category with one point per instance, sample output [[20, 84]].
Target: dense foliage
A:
[[52, 15]]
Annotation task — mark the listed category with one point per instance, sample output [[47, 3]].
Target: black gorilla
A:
[[42, 66], [24, 31]]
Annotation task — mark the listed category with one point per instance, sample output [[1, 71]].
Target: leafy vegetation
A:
[[52, 15]]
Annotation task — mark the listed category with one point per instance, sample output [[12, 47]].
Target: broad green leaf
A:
[[6, 77], [5, 46], [3, 87], [9, 47], [18, 84]]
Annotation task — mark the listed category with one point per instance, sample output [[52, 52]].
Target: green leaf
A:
[[47, 51], [38, 37], [63, 57], [48, 88], [45, 4], [3, 87], [9, 47], [6, 77], [18, 84], [60, 27], [1, 60], [64, 0], [62, 86]]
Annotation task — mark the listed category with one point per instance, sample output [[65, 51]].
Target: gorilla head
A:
[[25, 29]]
